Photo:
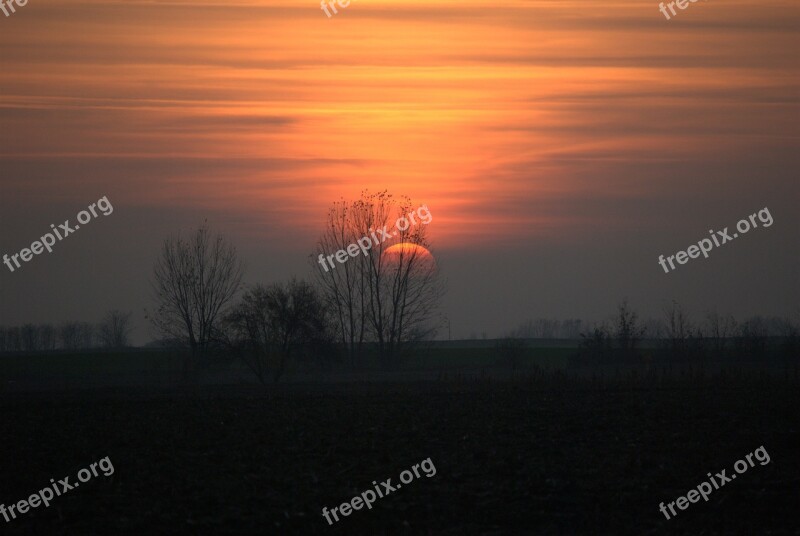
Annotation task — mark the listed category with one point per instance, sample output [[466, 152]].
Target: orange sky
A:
[[482, 110], [560, 145]]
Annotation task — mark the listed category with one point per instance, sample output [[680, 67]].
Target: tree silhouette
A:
[[194, 280], [390, 300], [272, 325], [115, 328]]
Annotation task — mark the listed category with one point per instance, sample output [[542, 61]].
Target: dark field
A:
[[546, 456]]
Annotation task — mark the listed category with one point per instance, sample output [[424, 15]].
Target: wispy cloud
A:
[[493, 112]]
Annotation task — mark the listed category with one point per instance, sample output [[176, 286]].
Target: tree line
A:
[[112, 332], [549, 328], [680, 338], [675, 336]]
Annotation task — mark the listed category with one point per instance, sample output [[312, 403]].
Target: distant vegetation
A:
[[675, 337], [112, 332]]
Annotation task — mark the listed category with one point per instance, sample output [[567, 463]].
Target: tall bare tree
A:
[[344, 286], [194, 280], [386, 298], [115, 329]]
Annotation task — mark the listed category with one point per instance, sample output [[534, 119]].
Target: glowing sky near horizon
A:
[[482, 110], [561, 145]]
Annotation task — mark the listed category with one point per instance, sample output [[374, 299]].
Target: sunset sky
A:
[[561, 145]]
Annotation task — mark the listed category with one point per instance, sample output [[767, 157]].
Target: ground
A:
[[568, 457]]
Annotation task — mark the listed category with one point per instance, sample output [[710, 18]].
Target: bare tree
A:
[[404, 285], [272, 325], [390, 293], [344, 286], [194, 280], [115, 329], [628, 332]]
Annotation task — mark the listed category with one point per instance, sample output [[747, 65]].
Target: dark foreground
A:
[[568, 457]]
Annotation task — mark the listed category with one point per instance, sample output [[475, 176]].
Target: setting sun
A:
[[405, 250]]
